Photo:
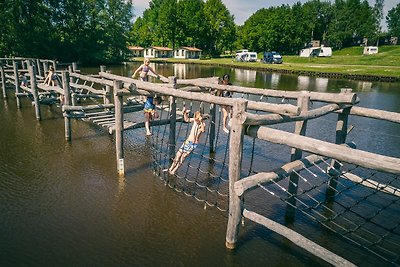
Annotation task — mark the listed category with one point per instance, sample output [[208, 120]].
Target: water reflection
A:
[[303, 82], [321, 84], [180, 70], [364, 86], [245, 75], [275, 77]]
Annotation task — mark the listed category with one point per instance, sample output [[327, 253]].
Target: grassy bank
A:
[[346, 63]]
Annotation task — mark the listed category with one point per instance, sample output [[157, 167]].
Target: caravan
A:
[[322, 51], [370, 50]]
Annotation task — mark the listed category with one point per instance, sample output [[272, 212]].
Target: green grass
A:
[[348, 61]]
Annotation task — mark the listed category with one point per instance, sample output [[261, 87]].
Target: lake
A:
[[63, 204]]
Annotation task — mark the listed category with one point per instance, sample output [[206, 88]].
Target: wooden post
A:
[[15, 66], [74, 66], [3, 81], [119, 127], [341, 134], [54, 65], [66, 102], [213, 112], [45, 67], [107, 96], [35, 93], [235, 166], [300, 128], [39, 69], [172, 128]]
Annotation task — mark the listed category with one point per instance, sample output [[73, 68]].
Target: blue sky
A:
[[243, 9]]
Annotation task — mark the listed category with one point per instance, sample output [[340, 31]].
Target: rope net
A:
[[364, 209], [204, 173]]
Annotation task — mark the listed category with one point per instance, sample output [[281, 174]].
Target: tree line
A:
[[94, 31]]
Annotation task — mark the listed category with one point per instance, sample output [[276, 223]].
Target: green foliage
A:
[[393, 20], [99, 30], [67, 30]]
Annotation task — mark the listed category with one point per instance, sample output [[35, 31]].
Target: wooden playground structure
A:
[[317, 171]]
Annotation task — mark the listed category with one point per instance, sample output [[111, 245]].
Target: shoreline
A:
[[286, 68]]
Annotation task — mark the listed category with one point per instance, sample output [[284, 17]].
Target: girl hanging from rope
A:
[[191, 142]]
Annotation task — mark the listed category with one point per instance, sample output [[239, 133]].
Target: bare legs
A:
[[147, 125], [225, 113], [179, 158]]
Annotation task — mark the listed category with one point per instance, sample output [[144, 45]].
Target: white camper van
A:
[[240, 54], [322, 51], [370, 50], [325, 51], [250, 57]]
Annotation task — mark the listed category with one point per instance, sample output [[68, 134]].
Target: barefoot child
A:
[[150, 111], [191, 142]]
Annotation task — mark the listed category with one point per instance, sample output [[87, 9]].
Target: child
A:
[[51, 77], [191, 142], [24, 80], [144, 71], [226, 110], [150, 111]]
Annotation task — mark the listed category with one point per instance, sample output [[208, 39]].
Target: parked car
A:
[[272, 58]]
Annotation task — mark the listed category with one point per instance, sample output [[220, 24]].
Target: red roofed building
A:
[[158, 52], [136, 51], [188, 52]]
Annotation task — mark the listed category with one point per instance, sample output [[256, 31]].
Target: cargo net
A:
[[363, 208], [203, 175]]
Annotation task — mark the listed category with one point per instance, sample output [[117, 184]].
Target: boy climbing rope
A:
[[191, 142], [150, 111]]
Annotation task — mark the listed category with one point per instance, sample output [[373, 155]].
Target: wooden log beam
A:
[[385, 188], [88, 96], [91, 79], [56, 89], [283, 172], [270, 119], [341, 98], [298, 239], [88, 88], [86, 108], [376, 114], [253, 181], [161, 89], [326, 149]]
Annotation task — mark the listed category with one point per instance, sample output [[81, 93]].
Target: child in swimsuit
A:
[[144, 71], [191, 142], [226, 110]]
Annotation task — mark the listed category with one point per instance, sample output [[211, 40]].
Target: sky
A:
[[243, 9]]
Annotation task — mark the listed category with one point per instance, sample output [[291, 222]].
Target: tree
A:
[[192, 28], [393, 20], [220, 27], [167, 22]]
